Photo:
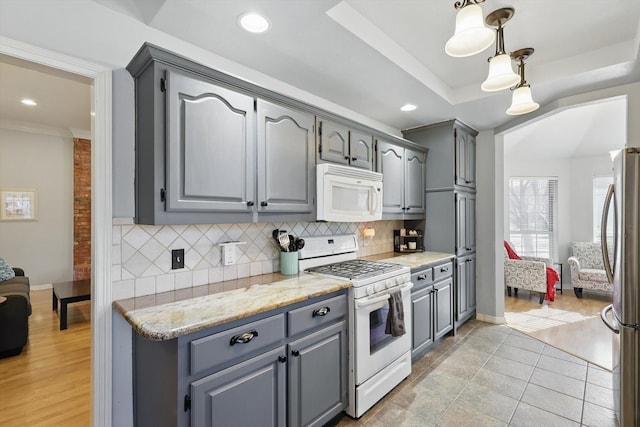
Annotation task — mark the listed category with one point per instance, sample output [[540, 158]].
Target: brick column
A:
[[81, 209]]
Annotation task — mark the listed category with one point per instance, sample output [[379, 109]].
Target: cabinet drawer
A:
[[421, 278], [235, 343], [443, 270], [320, 313]]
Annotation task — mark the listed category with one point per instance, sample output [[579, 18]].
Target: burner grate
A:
[[356, 269]]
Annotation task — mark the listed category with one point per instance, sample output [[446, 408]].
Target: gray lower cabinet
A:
[[252, 393], [286, 367], [317, 385], [432, 304], [403, 172], [339, 144], [465, 288]]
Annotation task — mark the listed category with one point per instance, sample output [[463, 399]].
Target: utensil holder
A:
[[289, 263]]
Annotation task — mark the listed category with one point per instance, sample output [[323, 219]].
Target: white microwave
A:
[[348, 194]]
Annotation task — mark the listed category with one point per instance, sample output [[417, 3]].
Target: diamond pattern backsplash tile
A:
[[144, 251]]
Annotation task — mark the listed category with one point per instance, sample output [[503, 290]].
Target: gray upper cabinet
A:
[[465, 144], [210, 139], [403, 173], [285, 159], [451, 163], [339, 144]]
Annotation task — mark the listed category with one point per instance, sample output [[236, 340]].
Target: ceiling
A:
[[370, 56]]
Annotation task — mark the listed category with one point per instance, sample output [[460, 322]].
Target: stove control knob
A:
[[379, 286], [400, 280], [370, 290], [390, 283]]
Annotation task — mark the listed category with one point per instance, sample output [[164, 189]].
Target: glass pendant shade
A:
[[522, 102], [471, 36], [501, 75]]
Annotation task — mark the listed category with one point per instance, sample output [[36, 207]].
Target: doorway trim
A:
[[101, 213]]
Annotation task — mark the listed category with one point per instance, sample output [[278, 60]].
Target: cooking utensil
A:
[[292, 243], [284, 241], [299, 243]]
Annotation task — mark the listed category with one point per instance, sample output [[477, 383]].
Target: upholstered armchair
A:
[[587, 268], [528, 273]]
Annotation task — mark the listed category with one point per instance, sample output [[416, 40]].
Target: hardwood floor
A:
[[570, 324], [49, 383]]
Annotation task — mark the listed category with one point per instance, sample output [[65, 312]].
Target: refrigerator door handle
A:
[[603, 233], [605, 319]]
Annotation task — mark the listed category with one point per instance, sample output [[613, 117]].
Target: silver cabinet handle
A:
[[243, 338], [605, 319], [422, 277]]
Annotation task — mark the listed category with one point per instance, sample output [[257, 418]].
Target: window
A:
[[600, 187], [533, 216]]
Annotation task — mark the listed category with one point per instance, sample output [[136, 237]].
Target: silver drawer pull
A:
[[422, 277], [323, 311], [444, 269], [243, 338]]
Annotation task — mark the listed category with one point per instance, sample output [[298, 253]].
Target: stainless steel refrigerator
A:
[[623, 270]]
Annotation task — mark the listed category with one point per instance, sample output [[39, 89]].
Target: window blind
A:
[[533, 216], [600, 187]]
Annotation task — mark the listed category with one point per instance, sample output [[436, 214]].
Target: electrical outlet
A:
[[177, 259]]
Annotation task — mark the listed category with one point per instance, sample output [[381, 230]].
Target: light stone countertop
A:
[[168, 315], [172, 314], [413, 260]]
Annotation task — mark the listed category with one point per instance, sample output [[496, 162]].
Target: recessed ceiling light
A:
[[408, 107], [253, 22], [27, 101]]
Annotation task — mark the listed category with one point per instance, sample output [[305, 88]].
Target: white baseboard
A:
[[490, 319], [41, 287]]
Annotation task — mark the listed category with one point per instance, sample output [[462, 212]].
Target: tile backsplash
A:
[[141, 254]]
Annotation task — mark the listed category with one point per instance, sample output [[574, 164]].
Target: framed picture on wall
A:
[[18, 204]]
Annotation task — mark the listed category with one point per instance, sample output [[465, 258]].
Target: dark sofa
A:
[[14, 314]]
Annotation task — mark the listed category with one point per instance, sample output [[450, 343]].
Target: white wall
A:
[[44, 248], [583, 170]]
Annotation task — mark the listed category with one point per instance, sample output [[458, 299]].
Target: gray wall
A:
[[44, 248], [489, 219], [123, 144]]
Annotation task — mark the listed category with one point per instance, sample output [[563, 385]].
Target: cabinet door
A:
[[318, 376], [414, 182], [461, 223], [471, 282], [391, 165], [443, 307], [461, 289], [470, 221], [252, 393], [460, 137], [421, 306], [361, 150], [285, 159], [210, 134], [470, 161], [334, 142]]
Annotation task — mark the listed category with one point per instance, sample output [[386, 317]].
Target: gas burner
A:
[[356, 269]]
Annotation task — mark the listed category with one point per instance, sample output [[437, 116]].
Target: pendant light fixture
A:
[[470, 36], [501, 75], [522, 101]]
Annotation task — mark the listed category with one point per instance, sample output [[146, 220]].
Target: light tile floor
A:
[[492, 375]]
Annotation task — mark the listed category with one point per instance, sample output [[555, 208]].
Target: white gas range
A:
[[378, 360]]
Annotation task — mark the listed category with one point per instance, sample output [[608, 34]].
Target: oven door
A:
[[373, 348]]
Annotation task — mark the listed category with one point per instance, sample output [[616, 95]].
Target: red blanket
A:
[[552, 275]]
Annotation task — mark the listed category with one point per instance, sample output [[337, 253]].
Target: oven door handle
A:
[[375, 300]]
